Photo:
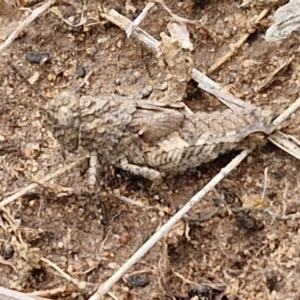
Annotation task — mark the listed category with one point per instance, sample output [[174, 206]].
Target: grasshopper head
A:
[[64, 119]]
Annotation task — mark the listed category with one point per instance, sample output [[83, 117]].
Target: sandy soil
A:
[[227, 252]]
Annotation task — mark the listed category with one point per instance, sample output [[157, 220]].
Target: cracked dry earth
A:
[[230, 249]]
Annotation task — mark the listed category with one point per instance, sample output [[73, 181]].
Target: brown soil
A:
[[223, 254]]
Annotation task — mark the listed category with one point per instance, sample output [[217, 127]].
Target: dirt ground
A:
[[227, 251]]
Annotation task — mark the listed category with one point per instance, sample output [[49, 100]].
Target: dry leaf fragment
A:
[[286, 21], [180, 32], [178, 61]]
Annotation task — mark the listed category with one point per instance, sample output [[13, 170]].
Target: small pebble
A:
[[117, 81], [37, 58], [138, 281], [7, 251], [60, 245], [137, 74], [81, 72]]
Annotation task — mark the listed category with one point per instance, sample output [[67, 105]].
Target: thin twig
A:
[[42, 181], [58, 269], [139, 19], [85, 80], [286, 142], [285, 115], [137, 203], [237, 46], [113, 296], [47, 293], [104, 288], [27, 21], [79, 284], [7, 294], [265, 183], [271, 77]]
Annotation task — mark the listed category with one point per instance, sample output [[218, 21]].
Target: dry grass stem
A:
[[137, 203], [287, 143], [237, 46], [139, 19], [48, 293], [271, 77], [265, 183], [26, 22], [59, 270], [42, 181], [285, 115], [7, 294], [79, 284], [85, 80], [104, 288]]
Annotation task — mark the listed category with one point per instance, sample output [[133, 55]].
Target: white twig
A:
[[265, 184], [85, 80], [28, 20], [286, 142], [104, 288], [177, 18], [292, 108], [58, 269], [42, 181], [7, 294], [139, 19]]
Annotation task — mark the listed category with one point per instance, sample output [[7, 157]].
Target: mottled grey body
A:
[[147, 137]]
